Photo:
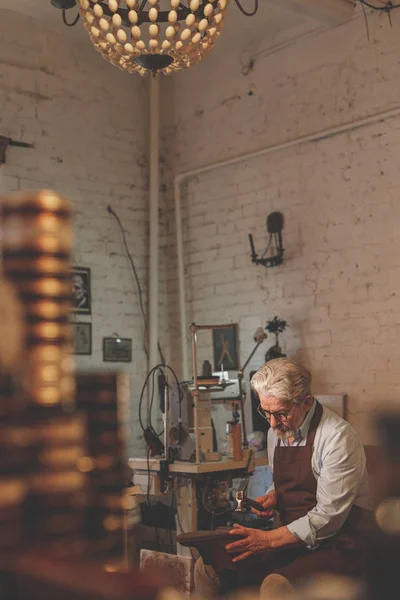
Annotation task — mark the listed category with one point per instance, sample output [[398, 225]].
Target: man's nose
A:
[[274, 421]]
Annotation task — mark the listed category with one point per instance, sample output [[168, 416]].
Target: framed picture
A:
[[225, 348], [82, 338], [81, 295], [117, 349]]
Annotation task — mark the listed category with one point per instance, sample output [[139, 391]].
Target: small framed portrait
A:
[[116, 349], [82, 338], [81, 294], [225, 348]]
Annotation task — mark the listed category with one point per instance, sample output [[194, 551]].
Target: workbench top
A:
[[142, 464]]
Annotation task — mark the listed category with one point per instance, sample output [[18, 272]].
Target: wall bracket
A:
[[273, 253], [5, 143]]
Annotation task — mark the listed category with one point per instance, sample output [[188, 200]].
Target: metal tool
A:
[[243, 502]]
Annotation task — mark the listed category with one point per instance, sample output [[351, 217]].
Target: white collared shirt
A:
[[339, 466]]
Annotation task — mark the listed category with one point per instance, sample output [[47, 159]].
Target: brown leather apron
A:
[[296, 488], [294, 481]]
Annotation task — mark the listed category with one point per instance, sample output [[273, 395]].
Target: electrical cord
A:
[[148, 476], [149, 428], [141, 400], [73, 23], [366, 22], [248, 59], [152, 399], [139, 289], [150, 374], [387, 8], [245, 12]]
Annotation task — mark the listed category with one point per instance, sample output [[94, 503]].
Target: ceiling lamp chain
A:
[[139, 36]]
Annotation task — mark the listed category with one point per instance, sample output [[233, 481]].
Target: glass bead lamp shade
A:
[[157, 35]]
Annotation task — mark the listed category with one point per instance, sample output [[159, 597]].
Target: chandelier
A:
[[139, 36]]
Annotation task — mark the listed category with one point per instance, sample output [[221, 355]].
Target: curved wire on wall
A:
[[382, 6]]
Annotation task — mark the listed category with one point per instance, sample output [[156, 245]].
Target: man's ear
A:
[[308, 400]]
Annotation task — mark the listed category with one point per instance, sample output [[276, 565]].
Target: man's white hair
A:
[[283, 378]]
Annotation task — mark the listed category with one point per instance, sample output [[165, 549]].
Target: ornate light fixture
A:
[[152, 35]]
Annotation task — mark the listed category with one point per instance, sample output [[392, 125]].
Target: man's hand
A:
[[269, 504], [252, 542]]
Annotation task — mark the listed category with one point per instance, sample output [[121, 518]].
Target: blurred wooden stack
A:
[[17, 455], [37, 245], [97, 396], [15, 461], [61, 465]]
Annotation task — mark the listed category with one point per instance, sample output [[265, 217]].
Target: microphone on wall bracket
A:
[[275, 243]]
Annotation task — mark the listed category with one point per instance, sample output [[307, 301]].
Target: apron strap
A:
[[315, 421]]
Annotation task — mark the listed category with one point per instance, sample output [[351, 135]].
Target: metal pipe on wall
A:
[[154, 187], [181, 177], [195, 393], [183, 323]]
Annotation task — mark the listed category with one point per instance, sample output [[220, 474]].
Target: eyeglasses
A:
[[280, 416]]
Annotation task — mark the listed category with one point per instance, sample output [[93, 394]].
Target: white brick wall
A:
[[338, 287], [88, 121]]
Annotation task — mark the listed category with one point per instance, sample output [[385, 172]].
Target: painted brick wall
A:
[[88, 121], [338, 287]]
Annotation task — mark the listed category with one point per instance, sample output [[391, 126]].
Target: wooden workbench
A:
[[186, 504], [141, 464]]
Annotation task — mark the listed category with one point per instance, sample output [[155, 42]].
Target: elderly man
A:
[[320, 490]]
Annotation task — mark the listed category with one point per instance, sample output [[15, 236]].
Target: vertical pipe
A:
[[154, 152], [195, 394], [166, 417], [181, 281]]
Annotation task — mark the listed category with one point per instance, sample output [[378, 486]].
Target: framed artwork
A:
[[225, 348], [117, 349], [82, 338], [81, 293]]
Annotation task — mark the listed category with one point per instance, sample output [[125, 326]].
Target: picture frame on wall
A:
[[82, 335], [81, 290], [225, 348], [116, 349]]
